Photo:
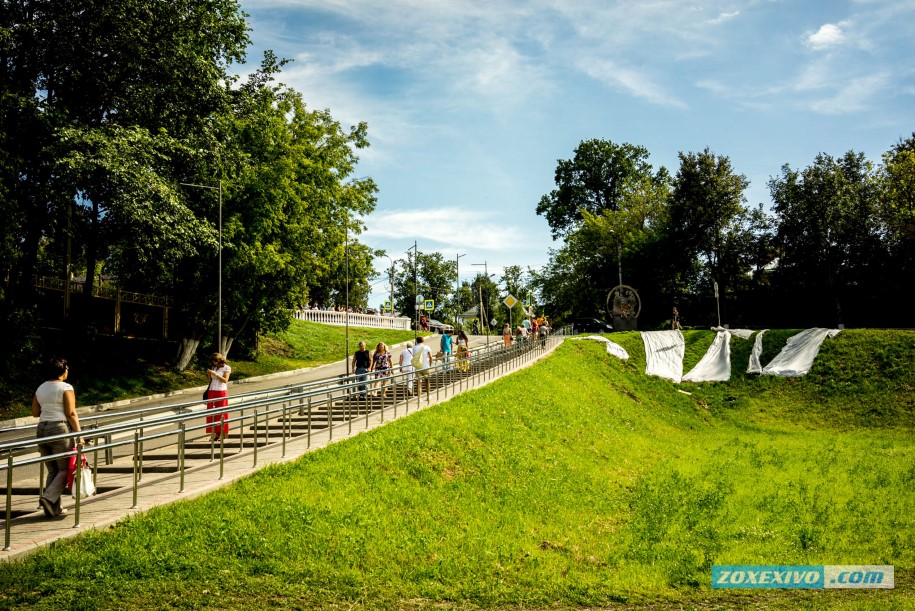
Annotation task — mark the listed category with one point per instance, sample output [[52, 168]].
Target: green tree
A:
[[708, 221], [897, 209], [599, 177], [828, 229], [432, 277]]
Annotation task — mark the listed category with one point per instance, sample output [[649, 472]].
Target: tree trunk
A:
[[186, 349], [226, 345]]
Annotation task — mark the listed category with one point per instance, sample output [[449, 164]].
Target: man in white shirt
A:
[[422, 372], [406, 367]]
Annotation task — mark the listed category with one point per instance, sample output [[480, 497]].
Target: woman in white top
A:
[[54, 404], [218, 389]]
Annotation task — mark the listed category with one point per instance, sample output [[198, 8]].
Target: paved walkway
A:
[[30, 533]]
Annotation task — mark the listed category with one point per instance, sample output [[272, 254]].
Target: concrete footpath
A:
[[32, 532]]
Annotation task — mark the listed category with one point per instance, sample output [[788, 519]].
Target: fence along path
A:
[[140, 464]]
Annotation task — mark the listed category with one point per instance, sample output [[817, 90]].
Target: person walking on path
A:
[[445, 344], [422, 362], [507, 335], [381, 365], [362, 361], [217, 393], [463, 351], [406, 367], [54, 404]]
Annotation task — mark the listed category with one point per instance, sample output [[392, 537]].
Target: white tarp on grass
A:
[[612, 347], [796, 358], [664, 354], [755, 366], [715, 365]]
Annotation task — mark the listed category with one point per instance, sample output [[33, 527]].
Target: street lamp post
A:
[[219, 291], [392, 284], [485, 266], [346, 312], [457, 282], [619, 255]]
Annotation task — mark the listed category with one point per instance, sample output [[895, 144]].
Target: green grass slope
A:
[[577, 483]]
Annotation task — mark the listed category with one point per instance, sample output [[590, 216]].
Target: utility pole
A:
[[346, 255], [415, 294]]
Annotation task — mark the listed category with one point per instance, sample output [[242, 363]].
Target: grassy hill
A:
[[577, 483]]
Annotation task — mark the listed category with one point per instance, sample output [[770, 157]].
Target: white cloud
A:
[[722, 17], [829, 35], [479, 230], [854, 96]]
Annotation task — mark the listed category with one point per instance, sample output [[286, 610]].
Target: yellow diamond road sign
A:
[[510, 301]]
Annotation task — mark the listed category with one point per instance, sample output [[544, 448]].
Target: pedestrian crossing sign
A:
[[387, 304], [429, 305]]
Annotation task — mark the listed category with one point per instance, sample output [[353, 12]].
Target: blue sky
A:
[[470, 104]]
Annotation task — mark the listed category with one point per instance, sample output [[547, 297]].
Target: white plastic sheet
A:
[[796, 358], [755, 366], [664, 354], [612, 347], [715, 365], [742, 333]]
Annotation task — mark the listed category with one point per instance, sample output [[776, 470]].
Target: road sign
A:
[[510, 301], [419, 299], [429, 305], [493, 322], [387, 304]]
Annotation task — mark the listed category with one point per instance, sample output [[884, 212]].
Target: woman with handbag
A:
[[218, 389], [54, 404]]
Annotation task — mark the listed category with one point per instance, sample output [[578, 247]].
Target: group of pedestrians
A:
[[530, 328], [380, 363]]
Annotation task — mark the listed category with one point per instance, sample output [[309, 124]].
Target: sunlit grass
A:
[[578, 482]]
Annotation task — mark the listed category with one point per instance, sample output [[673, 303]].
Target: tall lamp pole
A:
[[485, 266], [392, 284], [619, 255], [219, 296], [457, 282], [346, 312], [415, 294]]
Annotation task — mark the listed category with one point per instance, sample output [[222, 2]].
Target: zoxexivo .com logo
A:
[[811, 577]]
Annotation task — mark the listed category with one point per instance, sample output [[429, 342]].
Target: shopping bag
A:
[[85, 476], [86, 483]]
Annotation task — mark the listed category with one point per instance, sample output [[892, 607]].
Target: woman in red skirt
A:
[[217, 392]]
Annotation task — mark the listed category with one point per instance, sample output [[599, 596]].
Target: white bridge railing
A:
[[329, 317]]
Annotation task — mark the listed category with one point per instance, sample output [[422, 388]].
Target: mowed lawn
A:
[[577, 483]]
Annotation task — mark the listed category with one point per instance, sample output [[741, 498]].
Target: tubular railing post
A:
[[241, 436], [182, 436], [136, 463], [77, 483], [309, 423], [9, 500], [222, 451], [285, 425], [349, 413], [255, 438], [41, 478], [109, 451], [140, 456], [330, 422]]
